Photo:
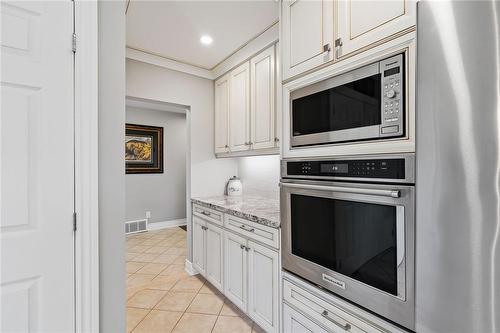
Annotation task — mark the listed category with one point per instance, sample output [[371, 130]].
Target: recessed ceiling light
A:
[[206, 40]]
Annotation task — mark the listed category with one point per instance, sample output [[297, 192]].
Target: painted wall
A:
[[260, 175], [208, 174], [111, 167], [163, 194]]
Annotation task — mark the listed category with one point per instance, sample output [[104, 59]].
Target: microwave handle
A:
[[356, 190]]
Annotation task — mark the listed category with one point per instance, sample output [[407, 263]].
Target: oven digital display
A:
[[334, 168]]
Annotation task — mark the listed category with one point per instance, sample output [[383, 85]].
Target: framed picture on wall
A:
[[143, 149]]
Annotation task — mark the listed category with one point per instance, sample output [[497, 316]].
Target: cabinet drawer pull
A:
[[327, 48], [345, 327], [246, 229], [242, 246], [205, 213], [247, 248]]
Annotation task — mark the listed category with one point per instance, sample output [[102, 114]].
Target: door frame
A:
[[86, 239]]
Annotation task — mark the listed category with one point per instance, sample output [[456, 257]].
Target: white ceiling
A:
[[172, 29]]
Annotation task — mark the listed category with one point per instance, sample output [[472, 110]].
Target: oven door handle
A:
[[356, 190]]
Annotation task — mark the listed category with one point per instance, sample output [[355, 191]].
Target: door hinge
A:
[[74, 221], [73, 43]]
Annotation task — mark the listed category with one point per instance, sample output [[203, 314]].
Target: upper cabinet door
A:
[[362, 23], [239, 106], [263, 115], [222, 115], [307, 35]]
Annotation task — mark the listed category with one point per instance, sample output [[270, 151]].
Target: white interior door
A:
[[36, 177]]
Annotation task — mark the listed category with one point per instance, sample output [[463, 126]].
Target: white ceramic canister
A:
[[234, 187]]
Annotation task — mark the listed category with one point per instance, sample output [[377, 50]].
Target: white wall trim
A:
[[166, 224], [160, 61], [188, 266], [86, 168]]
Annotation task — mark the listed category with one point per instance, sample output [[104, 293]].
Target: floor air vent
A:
[[136, 226]]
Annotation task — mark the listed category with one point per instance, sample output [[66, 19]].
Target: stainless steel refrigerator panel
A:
[[458, 167]]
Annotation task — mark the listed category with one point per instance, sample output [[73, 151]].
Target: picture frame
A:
[[143, 149]]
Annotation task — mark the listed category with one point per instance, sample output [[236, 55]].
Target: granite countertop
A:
[[261, 210]]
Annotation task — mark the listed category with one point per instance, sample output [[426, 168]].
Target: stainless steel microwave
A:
[[347, 225], [367, 103]]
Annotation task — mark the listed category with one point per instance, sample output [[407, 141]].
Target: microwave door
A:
[[338, 109]]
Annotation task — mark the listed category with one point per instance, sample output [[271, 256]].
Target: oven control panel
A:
[[393, 168]]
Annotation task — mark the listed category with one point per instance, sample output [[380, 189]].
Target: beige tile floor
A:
[[162, 297]]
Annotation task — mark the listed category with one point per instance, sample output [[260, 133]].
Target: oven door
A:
[[356, 240]]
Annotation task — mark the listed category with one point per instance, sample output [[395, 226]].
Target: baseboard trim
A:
[[166, 224], [188, 266]]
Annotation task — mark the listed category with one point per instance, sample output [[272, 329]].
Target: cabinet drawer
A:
[[252, 230], [324, 313], [209, 214], [295, 322]]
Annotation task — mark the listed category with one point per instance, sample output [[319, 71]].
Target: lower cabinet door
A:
[[295, 322], [263, 286], [235, 269], [199, 226], [214, 256]]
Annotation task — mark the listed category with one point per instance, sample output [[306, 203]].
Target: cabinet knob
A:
[[327, 48], [276, 139], [226, 146], [242, 246]]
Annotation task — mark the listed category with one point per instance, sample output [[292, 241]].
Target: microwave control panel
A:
[[370, 168], [392, 96]]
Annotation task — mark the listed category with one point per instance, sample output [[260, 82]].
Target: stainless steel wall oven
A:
[[364, 104], [348, 226]]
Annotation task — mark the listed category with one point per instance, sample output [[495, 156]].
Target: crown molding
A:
[[157, 60]]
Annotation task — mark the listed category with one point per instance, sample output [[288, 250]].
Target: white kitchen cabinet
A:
[[222, 114], [235, 269], [199, 244], [295, 322], [362, 23], [307, 35], [263, 281], [241, 259], [262, 92], [214, 266], [246, 115], [239, 108]]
